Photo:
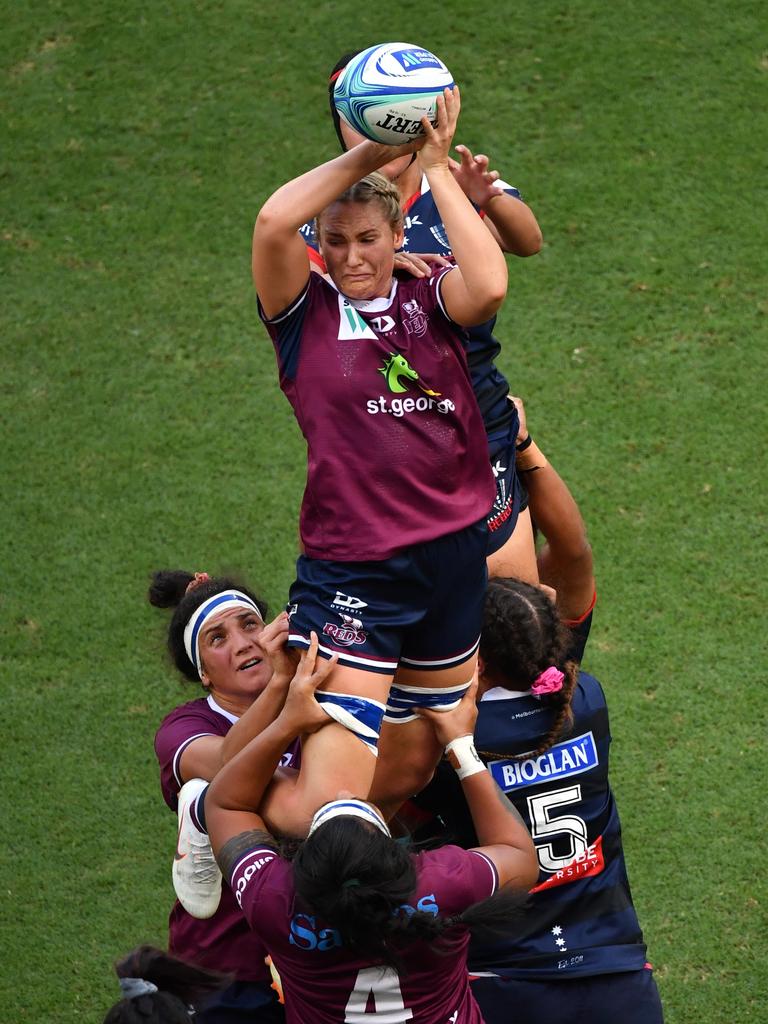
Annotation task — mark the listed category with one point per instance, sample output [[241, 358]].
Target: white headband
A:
[[213, 606], [350, 808]]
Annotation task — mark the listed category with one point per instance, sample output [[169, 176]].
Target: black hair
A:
[[180, 987], [338, 67], [168, 589], [361, 882], [522, 636]]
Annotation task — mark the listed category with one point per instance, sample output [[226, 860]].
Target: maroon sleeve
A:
[[177, 730], [434, 286], [261, 883], [460, 877]]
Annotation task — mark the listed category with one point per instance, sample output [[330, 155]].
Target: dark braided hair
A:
[[522, 636], [180, 987], [362, 883], [168, 589]]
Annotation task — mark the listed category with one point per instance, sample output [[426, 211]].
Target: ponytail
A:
[[160, 989], [523, 635], [362, 883]]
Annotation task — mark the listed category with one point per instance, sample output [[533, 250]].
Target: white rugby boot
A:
[[196, 875]]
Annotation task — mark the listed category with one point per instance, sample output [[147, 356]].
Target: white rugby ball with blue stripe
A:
[[385, 91]]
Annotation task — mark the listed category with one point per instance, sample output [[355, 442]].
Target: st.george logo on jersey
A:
[[351, 324]]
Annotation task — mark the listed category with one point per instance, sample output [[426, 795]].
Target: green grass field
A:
[[143, 427]]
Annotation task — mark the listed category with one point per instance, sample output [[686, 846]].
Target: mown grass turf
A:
[[143, 426]]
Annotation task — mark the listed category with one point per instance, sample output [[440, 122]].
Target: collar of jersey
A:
[[220, 710], [499, 693], [423, 187], [373, 305]]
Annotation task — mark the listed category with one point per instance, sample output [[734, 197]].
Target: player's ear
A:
[[399, 237], [480, 667]]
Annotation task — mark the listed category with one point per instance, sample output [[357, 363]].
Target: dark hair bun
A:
[[168, 587]]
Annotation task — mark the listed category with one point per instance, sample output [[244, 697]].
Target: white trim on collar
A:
[[499, 693], [377, 305], [214, 706]]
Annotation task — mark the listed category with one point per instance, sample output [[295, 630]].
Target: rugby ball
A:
[[385, 91]]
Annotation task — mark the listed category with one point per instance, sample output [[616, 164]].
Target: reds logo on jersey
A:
[[416, 321], [350, 632]]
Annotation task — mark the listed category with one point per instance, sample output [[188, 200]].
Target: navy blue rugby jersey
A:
[[581, 920], [424, 233]]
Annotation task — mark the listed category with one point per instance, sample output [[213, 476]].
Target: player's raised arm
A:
[[234, 796], [279, 260], [565, 561], [511, 222], [501, 831], [474, 293]]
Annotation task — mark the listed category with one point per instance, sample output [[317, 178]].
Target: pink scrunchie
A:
[[549, 681], [198, 580]]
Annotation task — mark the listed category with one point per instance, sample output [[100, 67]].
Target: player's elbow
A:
[[268, 225], [528, 866], [493, 295], [531, 243], [521, 869]]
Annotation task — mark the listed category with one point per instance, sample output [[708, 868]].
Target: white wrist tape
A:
[[463, 757]]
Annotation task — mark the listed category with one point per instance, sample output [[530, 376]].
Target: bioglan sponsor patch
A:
[[571, 757]]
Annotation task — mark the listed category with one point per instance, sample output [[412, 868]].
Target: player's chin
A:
[[395, 167], [359, 286]]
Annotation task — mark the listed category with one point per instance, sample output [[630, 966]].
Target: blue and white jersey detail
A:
[[361, 715], [571, 757], [403, 701]]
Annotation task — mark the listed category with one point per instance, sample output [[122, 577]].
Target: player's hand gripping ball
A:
[[384, 92]]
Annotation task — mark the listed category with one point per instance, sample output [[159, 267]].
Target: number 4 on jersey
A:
[[379, 986]]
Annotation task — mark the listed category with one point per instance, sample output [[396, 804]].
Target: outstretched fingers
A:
[[313, 670], [273, 639], [448, 105], [301, 705]]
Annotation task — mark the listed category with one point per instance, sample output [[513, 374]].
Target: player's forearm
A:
[[303, 198], [515, 223], [496, 821], [552, 505], [262, 713], [241, 783], [477, 253]]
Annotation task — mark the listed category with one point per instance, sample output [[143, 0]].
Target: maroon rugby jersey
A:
[[397, 453], [325, 984], [223, 942]]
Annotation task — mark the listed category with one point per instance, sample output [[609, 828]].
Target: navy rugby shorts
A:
[[630, 997], [242, 1002], [422, 608], [511, 498]]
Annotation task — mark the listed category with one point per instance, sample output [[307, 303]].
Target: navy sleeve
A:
[[286, 329]]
